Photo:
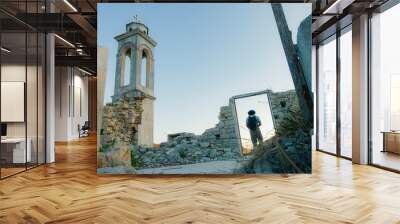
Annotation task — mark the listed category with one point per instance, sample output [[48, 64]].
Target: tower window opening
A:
[[127, 68], [143, 72]]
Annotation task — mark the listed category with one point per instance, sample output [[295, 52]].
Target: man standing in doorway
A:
[[253, 123]]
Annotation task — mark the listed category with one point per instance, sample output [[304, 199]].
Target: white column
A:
[[63, 98], [360, 90], [50, 101], [102, 57]]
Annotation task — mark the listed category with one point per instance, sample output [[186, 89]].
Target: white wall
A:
[[71, 87], [79, 117], [34, 125], [61, 103], [16, 73], [12, 101], [12, 73]]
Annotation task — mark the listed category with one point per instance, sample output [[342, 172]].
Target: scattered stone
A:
[[218, 143], [204, 144], [117, 156], [118, 169]]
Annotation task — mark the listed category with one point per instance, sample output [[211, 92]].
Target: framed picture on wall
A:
[[12, 101], [204, 88]]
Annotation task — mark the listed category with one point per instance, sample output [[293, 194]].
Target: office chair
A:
[[84, 130]]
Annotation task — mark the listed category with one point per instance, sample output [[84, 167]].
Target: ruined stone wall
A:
[[281, 104], [217, 143], [120, 121], [122, 118], [291, 138], [145, 129], [223, 134]]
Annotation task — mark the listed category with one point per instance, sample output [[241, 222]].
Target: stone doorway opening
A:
[[258, 102]]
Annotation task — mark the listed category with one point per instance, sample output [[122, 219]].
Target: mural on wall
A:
[[229, 93]]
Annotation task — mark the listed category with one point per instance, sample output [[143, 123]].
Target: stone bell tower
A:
[[135, 46]]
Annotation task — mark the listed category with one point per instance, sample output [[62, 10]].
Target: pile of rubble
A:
[[290, 150], [218, 143], [289, 154]]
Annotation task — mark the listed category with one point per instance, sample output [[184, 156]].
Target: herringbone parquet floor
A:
[[69, 191]]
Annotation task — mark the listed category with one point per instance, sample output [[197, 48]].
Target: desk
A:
[[13, 150], [391, 141]]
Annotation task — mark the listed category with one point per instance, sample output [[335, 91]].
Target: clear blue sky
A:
[[206, 53]]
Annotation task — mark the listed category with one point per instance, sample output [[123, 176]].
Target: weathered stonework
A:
[[290, 150], [282, 154], [281, 104], [118, 156], [136, 44], [122, 118], [120, 121], [218, 143]]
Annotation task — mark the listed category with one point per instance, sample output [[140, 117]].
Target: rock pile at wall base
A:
[[290, 150], [116, 169], [270, 159], [217, 143]]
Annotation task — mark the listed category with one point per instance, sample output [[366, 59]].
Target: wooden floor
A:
[[387, 159], [5, 172], [70, 191]]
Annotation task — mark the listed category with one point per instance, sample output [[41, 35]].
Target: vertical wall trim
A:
[[360, 90], [69, 100], [73, 91], [317, 96], [59, 77], [80, 102], [45, 95], [50, 93], [369, 77], [338, 81], [37, 92], [26, 87], [0, 89], [69, 90]]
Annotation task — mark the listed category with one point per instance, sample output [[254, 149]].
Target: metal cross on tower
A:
[[136, 19]]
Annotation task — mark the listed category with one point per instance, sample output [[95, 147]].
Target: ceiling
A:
[[75, 22]]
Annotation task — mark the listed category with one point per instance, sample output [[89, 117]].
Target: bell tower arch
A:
[[138, 82]]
